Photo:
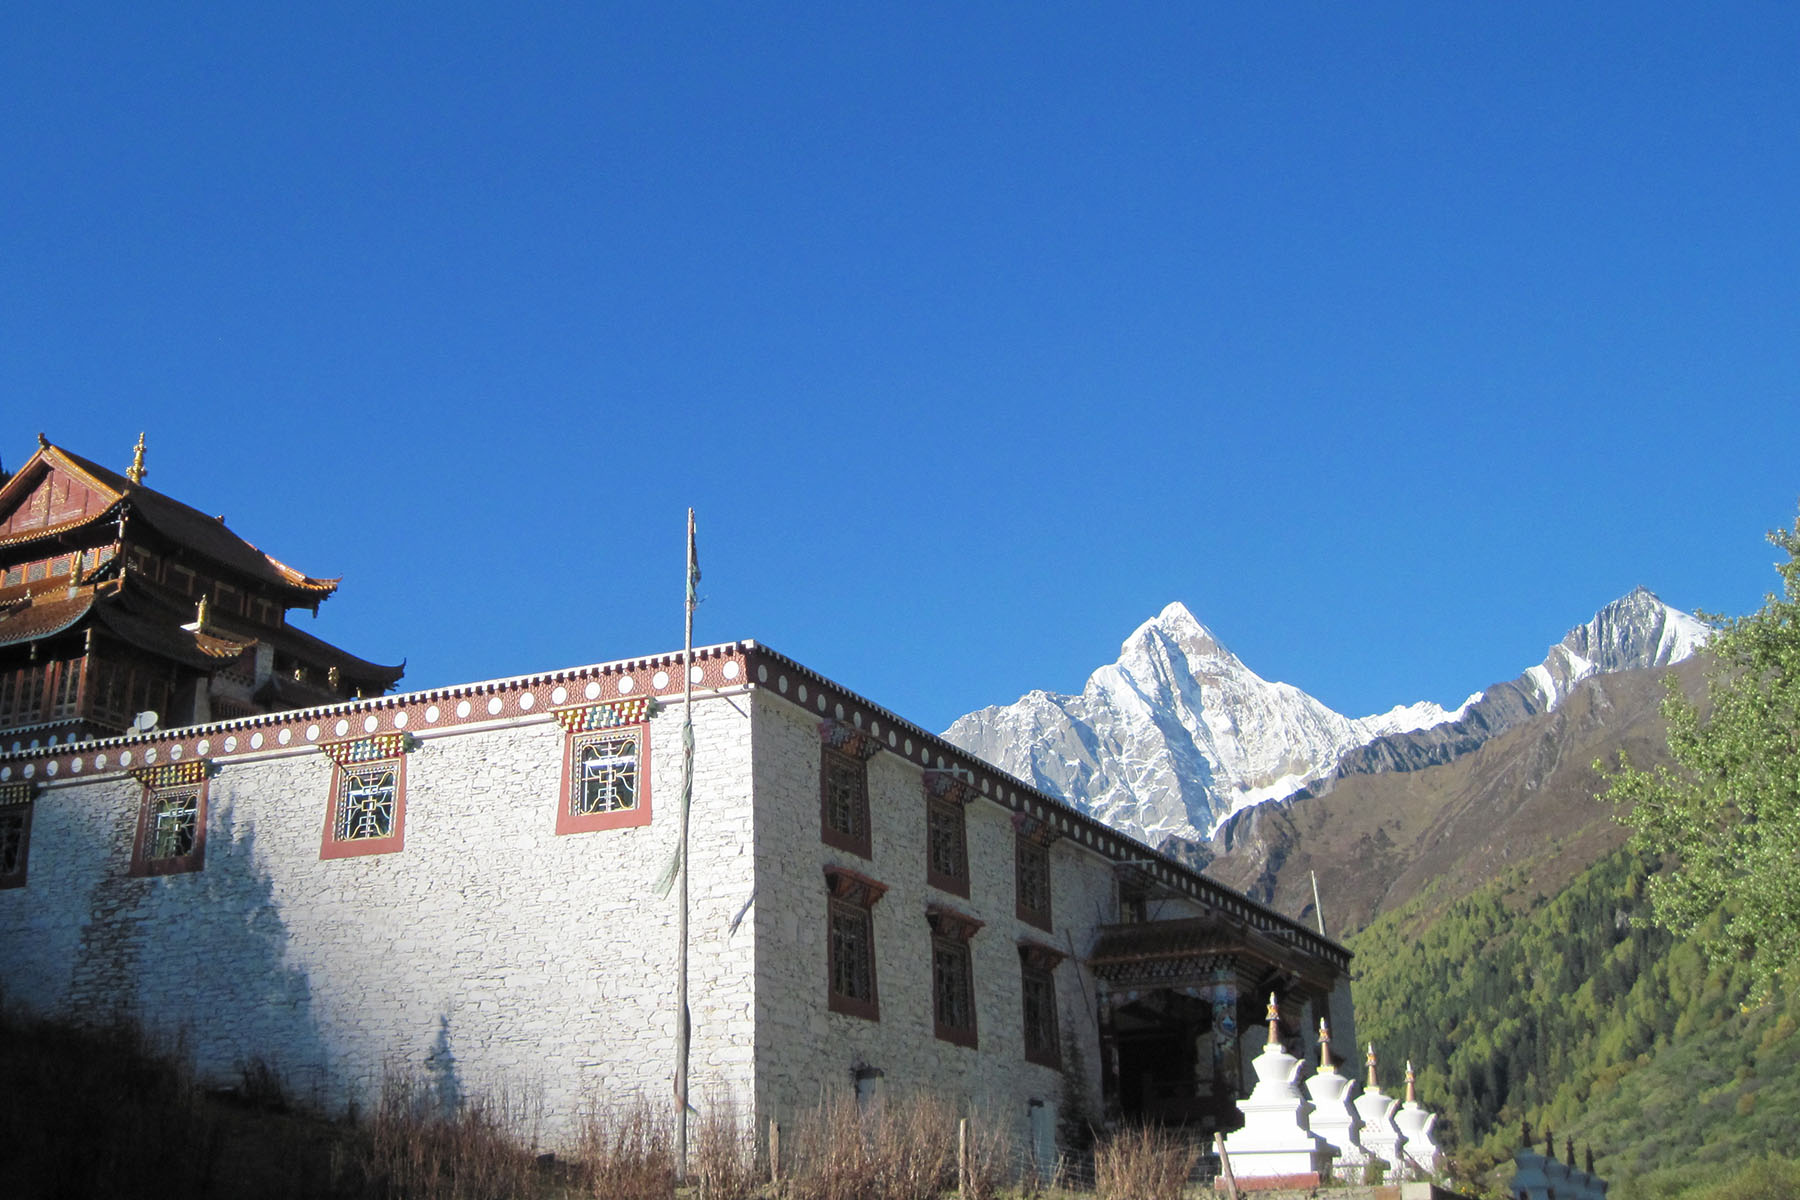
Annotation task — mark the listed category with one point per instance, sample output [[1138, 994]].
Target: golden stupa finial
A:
[[1410, 1098], [1324, 1045], [1274, 1018], [136, 473], [1372, 1084]]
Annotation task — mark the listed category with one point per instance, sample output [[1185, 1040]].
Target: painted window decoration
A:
[[605, 781], [844, 755], [946, 832], [1037, 988], [15, 832], [850, 943], [952, 976], [368, 801], [171, 833], [606, 774], [368, 796], [1031, 869]]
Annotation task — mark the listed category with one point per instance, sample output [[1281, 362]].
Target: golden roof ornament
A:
[[136, 473], [43, 442], [200, 615], [1274, 1019]]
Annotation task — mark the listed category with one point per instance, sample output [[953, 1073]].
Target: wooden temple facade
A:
[[116, 600]]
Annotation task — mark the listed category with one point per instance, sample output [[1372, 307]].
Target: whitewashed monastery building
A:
[[462, 882]]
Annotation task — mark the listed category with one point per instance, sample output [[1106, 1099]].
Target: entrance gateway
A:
[[1176, 997]]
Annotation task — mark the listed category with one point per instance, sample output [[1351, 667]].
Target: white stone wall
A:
[[803, 1049], [488, 954]]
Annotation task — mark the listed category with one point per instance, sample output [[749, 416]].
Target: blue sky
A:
[[1393, 340]]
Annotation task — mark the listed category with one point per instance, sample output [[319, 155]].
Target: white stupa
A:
[[1380, 1139], [1332, 1118], [1414, 1123], [1274, 1148]]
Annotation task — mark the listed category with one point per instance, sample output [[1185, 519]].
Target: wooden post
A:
[[962, 1159], [1225, 1166], [774, 1152]]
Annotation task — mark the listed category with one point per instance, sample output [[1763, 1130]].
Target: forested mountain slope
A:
[[1566, 1010]]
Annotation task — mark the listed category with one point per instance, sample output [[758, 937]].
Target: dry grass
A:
[[1143, 1164], [724, 1154], [624, 1153], [901, 1149], [417, 1148], [95, 1112], [104, 1113]]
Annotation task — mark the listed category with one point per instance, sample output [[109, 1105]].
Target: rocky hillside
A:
[[1524, 799]]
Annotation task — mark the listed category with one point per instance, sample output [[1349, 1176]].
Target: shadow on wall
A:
[[202, 957], [440, 1072]]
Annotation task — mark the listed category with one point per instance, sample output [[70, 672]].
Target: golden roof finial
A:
[[43, 442], [137, 472], [200, 614], [1274, 1018], [1410, 1098], [1372, 1084]]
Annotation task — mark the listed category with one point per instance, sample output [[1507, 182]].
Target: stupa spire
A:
[[1274, 1019]]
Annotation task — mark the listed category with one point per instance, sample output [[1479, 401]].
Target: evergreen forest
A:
[[1572, 1012]]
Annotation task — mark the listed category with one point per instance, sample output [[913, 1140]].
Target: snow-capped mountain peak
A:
[[1178, 733]]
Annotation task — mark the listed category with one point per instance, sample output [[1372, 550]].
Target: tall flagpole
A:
[[687, 796]]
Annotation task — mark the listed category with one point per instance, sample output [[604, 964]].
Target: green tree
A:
[[1728, 811]]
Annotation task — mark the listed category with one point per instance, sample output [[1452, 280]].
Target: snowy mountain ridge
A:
[[1179, 733]]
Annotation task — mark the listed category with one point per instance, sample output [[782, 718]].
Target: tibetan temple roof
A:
[[206, 536], [43, 618]]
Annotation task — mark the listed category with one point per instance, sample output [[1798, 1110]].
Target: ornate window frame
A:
[[852, 986], [171, 824], [947, 832], [606, 766], [1032, 878], [362, 770], [16, 804], [953, 999], [844, 753], [1040, 1025]]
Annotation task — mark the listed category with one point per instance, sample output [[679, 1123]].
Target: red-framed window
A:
[[171, 827], [1037, 991], [844, 753], [844, 802], [946, 832], [852, 987], [367, 811], [952, 976], [1031, 874], [606, 767]]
